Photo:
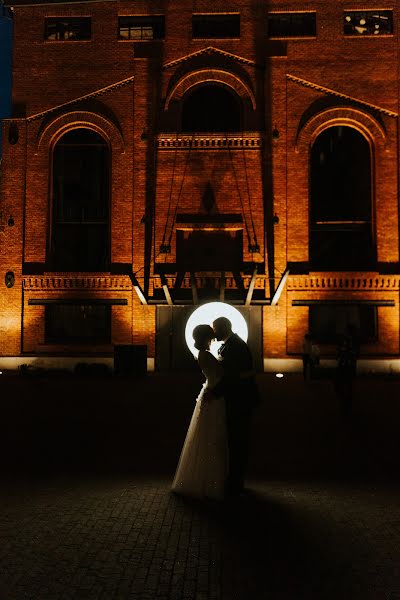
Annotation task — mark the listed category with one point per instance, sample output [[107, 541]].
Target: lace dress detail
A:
[[203, 464]]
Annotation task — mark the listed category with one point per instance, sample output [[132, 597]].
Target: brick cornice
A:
[[343, 281], [80, 282], [210, 141]]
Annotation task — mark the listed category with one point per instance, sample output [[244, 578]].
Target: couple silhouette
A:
[[215, 452]]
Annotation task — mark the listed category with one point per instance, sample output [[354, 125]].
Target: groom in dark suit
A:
[[239, 389]]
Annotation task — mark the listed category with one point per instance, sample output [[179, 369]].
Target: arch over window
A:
[[80, 202], [341, 234], [211, 108]]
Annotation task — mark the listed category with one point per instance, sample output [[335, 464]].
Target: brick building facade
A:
[[162, 154]]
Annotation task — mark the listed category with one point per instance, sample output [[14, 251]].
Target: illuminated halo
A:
[[206, 314]]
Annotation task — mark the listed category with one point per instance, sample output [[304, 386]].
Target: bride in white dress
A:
[[203, 464]]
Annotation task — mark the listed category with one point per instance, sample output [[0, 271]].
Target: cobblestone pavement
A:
[[106, 539], [86, 512]]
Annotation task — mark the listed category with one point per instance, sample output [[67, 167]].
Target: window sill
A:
[[369, 36], [219, 39], [135, 40], [292, 37], [68, 41]]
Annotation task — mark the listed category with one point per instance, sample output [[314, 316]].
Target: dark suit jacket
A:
[[238, 382]]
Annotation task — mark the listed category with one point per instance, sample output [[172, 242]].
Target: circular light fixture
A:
[[206, 314], [279, 375]]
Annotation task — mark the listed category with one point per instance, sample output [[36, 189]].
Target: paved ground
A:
[[86, 513]]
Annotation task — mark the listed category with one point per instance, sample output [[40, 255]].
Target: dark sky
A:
[[5, 63]]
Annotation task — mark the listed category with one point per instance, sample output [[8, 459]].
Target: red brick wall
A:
[[293, 98]]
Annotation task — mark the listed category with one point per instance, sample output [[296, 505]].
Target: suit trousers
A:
[[238, 420]]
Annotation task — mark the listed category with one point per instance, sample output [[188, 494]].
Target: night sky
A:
[[5, 63]]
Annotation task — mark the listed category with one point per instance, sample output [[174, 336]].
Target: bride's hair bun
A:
[[202, 334]]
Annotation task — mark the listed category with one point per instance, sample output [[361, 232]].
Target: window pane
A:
[[80, 247], [78, 323], [291, 25], [341, 234], [67, 28], [141, 27], [216, 26], [211, 108], [341, 175], [80, 237], [368, 22]]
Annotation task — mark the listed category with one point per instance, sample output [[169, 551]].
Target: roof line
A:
[[98, 92], [209, 50], [326, 90]]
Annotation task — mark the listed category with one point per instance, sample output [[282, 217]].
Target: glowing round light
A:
[[206, 314], [279, 375], [348, 18], [362, 21]]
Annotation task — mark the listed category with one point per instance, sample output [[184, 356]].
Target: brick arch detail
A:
[[360, 120], [210, 76], [59, 126]]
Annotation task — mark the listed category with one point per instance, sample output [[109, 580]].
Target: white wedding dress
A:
[[203, 464]]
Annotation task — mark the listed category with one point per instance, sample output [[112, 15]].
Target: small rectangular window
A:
[[368, 22], [327, 324], [68, 29], [216, 26], [286, 25], [79, 324], [141, 27]]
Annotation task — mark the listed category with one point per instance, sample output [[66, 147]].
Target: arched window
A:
[[211, 108], [80, 227], [340, 200]]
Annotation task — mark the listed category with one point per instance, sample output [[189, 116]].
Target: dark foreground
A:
[[85, 508]]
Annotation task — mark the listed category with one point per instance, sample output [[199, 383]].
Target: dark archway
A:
[[341, 234], [81, 190], [211, 108]]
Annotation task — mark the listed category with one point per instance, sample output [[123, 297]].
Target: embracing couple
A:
[[214, 456]]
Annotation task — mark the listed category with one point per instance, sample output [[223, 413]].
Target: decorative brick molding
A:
[[95, 94], [331, 92], [206, 76], [340, 282], [71, 120], [54, 282], [209, 51], [349, 116], [209, 141]]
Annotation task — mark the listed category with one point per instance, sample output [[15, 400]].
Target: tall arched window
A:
[[341, 235], [211, 108], [80, 227]]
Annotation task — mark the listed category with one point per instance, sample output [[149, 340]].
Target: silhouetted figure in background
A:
[[345, 372], [306, 356], [315, 356], [310, 356]]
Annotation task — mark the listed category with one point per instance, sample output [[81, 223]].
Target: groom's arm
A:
[[235, 363]]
